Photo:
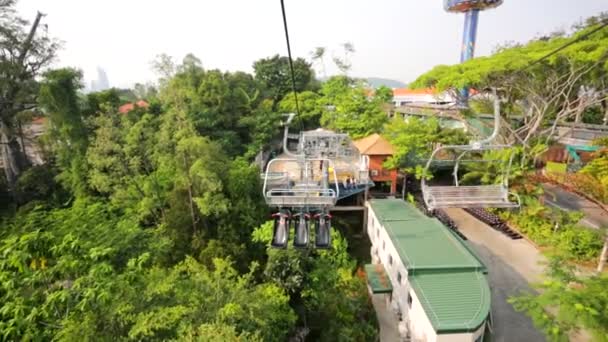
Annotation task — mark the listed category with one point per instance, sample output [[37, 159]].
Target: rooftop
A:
[[374, 144], [423, 243], [446, 275], [408, 92], [453, 301], [127, 107]]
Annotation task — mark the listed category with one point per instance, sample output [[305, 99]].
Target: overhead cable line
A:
[[293, 74], [565, 46]]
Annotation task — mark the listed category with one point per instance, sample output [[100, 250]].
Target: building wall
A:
[[376, 162], [468, 337], [401, 100], [420, 327]]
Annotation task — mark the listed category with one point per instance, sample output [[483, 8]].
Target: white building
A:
[[404, 96], [427, 274]]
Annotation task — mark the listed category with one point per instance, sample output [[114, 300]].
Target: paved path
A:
[[595, 217], [512, 265], [387, 320]]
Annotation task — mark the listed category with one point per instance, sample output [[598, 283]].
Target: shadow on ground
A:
[[505, 282]]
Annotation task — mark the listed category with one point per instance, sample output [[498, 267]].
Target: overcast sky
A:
[[397, 39]]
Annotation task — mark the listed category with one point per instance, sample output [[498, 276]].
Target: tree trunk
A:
[[603, 256], [22, 141], [12, 157]]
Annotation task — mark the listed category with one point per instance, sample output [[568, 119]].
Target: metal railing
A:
[[305, 191]]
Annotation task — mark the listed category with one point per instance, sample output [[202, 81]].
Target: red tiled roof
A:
[[127, 107], [374, 144], [406, 91]]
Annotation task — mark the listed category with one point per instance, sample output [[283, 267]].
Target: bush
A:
[[560, 232], [38, 183]]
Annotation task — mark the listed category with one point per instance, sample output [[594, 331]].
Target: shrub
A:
[[558, 230]]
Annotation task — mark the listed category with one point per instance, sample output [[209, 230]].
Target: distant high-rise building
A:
[[102, 79], [101, 83]]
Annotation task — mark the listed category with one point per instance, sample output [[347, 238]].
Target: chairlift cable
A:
[[293, 75]]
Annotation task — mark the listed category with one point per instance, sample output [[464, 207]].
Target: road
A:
[[512, 265], [595, 217]]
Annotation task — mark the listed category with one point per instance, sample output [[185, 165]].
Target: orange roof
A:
[[406, 91], [374, 144], [127, 107], [39, 120]]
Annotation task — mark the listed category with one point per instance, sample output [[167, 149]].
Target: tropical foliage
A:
[[557, 230], [347, 106], [324, 286], [567, 302], [138, 225]]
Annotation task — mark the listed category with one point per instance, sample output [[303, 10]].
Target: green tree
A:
[[414, 140], [215, 102], [24, 55], [67, 134], [384, 94], [102, 102], [567, 303], [332, 299], [310, 112], [263, 125], [274, 75], [348, 107], [543, 92], [90, 272]]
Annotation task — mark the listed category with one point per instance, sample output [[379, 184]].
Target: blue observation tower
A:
[[471, 9]]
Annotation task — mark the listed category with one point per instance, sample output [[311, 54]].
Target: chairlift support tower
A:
[[471, 9]]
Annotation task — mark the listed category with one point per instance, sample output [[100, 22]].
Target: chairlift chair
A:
[[280, 234], [471, 196], [302, 230], [322, 230]]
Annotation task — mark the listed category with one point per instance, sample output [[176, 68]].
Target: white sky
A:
[[397, 39]]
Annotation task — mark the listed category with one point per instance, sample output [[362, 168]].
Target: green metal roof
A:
[[453, 301], [395, 210], [448, 278], [377, 279], [423, 243]]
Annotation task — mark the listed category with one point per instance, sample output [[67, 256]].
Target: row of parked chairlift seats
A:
[[494, 221], [284, 222]]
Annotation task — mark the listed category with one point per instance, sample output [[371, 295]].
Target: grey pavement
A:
[[595, 217], [387, 320], [512, 265]]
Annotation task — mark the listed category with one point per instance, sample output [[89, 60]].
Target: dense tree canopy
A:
[[567, 302], [274, 76], [23, 54], [140, 225], [351, 108], [562, 87]]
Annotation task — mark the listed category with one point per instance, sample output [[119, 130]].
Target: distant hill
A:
[[377, 81]]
